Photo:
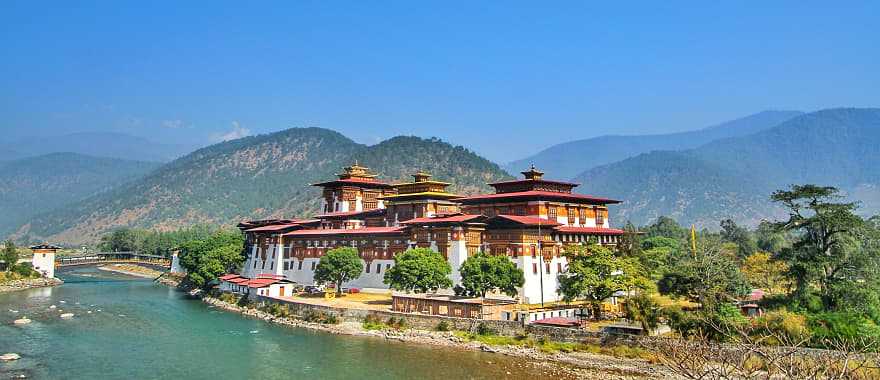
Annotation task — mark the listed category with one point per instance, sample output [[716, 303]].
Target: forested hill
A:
[[38, 184], [569, 159], [257, 177], [733, 178]]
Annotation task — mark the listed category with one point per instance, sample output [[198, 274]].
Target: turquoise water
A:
[[127, 328]]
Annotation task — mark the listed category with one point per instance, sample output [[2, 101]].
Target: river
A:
[[129, 328]]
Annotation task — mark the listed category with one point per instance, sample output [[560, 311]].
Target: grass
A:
[[619, 351]]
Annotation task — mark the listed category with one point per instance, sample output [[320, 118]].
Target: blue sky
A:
[[503, 78]]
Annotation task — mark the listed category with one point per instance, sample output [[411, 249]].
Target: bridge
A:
[[112, 258]]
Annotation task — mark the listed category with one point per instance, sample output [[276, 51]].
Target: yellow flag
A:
[[694, 239]]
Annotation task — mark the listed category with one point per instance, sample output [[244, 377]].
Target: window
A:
[[551, 212], [378, 268], [368, 268], [547, 267], [571, 215], [535, 268], [582, 216], [300, 266], [313, 265], [600, 219], [387, 266], [559, 267]]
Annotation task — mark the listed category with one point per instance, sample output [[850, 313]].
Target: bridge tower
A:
[[44, 259]]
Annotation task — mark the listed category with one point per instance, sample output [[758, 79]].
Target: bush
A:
[[320, 317], [397, 324], [442, 326], [483, 329], [229, 298], [841, 326], [280, 311], [25, 270], [790, 326], [372, 322]]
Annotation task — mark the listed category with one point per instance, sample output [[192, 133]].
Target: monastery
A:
[[528, 220]]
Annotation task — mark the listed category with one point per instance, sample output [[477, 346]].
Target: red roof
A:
[[341, 231], [527, 220], [537, 194], [588, 230], [362, 182], [239, 280], [229, 277], [262, 282], [443, 219], [572, 184], [270, 275], [558, 321], [273, 227]]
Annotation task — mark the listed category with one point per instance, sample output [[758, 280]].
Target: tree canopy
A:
[[708, 277], [206, 259], [483, 273], [595, 273], [338, 266], [419, 270], [10, 255]]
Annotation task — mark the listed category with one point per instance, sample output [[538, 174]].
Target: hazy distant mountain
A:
[[98, 144], [734, 177], [255, 177], [38, 184], [570, 159]]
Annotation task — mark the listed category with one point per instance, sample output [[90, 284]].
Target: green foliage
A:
[[160, 243], [656, 254], [842, 326], [9, 255], [338, 266], [644, 310], [317, 316], [595, 274], [26, 270], [442, 326], [764, 272], [372, 322], [708, 277], [482, 273], [209, 258], [834, 254], [732, 233], [419, 270], [484, 329]]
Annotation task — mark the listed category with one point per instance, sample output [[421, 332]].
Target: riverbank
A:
[[569, 364], [131, 270], [28, 283]]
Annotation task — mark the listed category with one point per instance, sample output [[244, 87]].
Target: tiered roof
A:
[[535, 187], [422, 187], [355, 175]]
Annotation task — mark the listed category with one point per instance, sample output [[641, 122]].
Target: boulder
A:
[[67, 315], [9, 357], [21, 321]]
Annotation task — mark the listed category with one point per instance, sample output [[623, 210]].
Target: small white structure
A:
[[44, 259], [264, 285], [175, 264]]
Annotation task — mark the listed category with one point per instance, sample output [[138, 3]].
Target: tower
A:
[[44, 259]]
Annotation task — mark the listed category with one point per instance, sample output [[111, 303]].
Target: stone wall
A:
[[430, 322]]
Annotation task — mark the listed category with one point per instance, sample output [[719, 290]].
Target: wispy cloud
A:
[[237, 132], [174, 124]]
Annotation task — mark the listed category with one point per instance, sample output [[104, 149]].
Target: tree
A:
[[731, 232], [656, 254], [832, 250], [762, 271], [708, 277], [667, 227], [482, 273], [339, 265], [630, 243], [644, 310], [594, 274], [419, 270], [10, 255], [769, 239], [206, 259]]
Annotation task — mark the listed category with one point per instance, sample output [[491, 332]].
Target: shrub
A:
[[483, 329], [789, 326], [25, 270], [372, 322], [442, 326], [229, 298], [317, 316]]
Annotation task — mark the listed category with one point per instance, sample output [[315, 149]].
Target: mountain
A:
[[257, 177], [98, 144], [38, 184], [569, 159], [734, 177]]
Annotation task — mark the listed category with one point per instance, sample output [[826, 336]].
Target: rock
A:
[[21, 321], [67, 315], [52, 307], [10, 357]]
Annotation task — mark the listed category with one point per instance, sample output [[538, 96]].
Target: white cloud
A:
[[174, 124], [237, 132]]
